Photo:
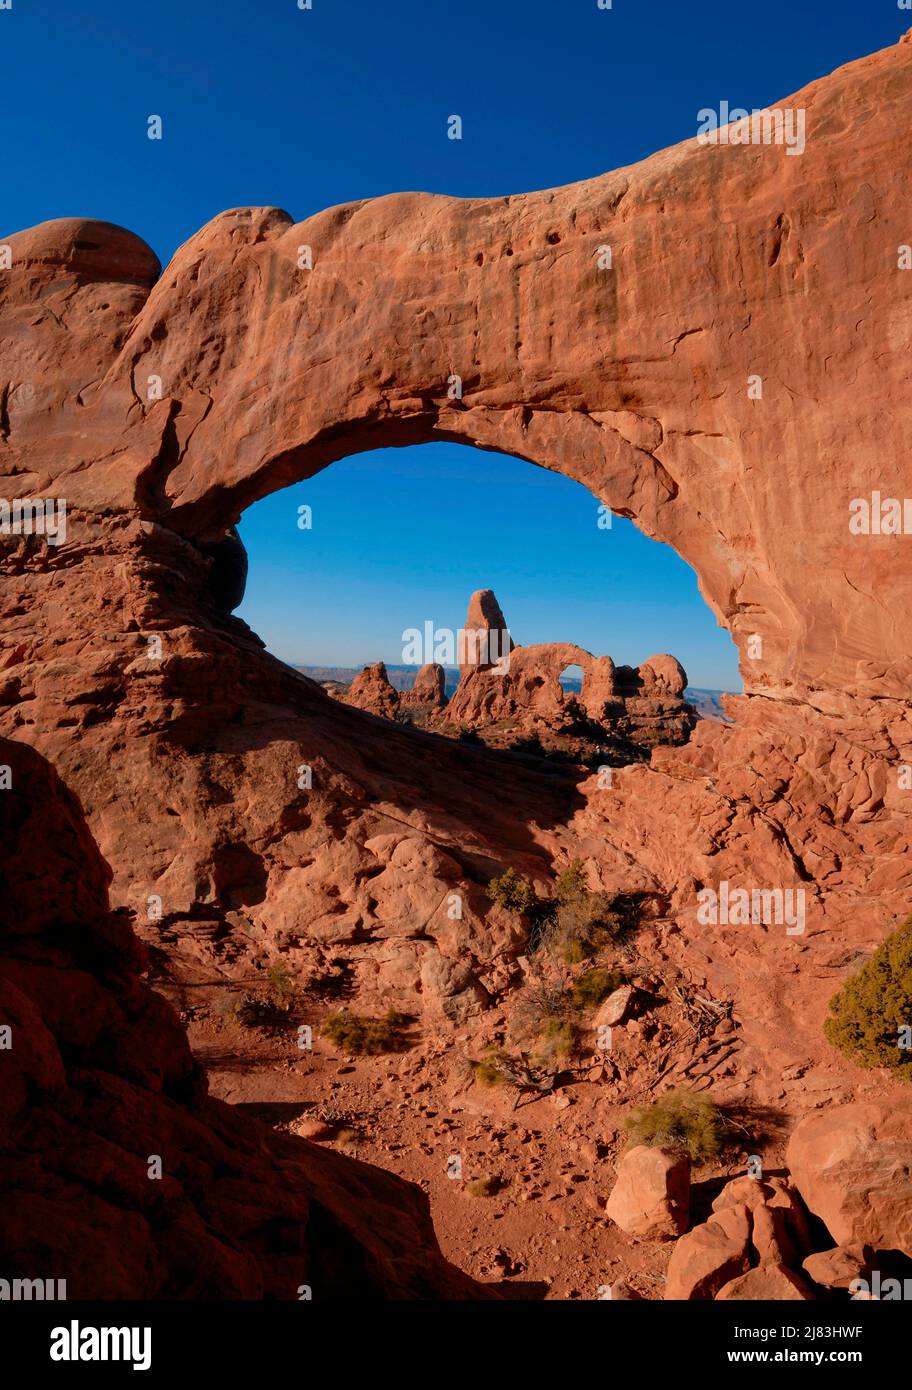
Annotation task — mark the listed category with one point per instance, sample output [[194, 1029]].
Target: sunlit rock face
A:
[[734, 381], [504, 687]]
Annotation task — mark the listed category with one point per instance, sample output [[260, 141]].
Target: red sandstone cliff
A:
[[185, 742]]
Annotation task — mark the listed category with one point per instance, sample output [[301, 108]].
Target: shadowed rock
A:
[[99, 1081]]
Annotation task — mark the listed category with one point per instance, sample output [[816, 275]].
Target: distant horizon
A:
[[401, 537]]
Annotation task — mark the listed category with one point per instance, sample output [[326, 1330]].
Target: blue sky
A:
[[263, 103]]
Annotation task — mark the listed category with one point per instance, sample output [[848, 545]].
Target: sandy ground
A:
[[420, 1114]]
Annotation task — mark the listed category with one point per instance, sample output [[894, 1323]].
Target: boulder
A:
[[771, 1282], [616, 1008], [770, 1238], [651, 1196], [710, 1256], [450, 987], [852, 1165], [837, 1268], [779, 1233]]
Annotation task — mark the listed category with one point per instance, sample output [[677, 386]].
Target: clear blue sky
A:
[[263, 103]]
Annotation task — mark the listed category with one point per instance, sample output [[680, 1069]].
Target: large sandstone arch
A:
[[728, 262]]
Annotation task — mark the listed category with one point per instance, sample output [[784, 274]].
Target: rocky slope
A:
[[119, 1174]]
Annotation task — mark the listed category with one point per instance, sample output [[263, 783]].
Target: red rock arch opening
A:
[[571, 678], [239, 371], [374, 559], [177, 400]]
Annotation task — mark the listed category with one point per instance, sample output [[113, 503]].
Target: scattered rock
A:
[[852, 1165], [710, 1256], [769, 1282], [651, 1195], [616, 1008], [621, 1292]]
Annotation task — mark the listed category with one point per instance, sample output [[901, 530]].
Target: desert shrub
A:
[[582, 923], [874, 1005], [557, 1041], [358, 1034], [680, 1119], [570, 883], [270, 1007], [490, 1071], [482, 1187], [595, 985], [260, 1011], [280, 983], [225, 1005], [512, 891], [546, 1018], [577, 923]]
